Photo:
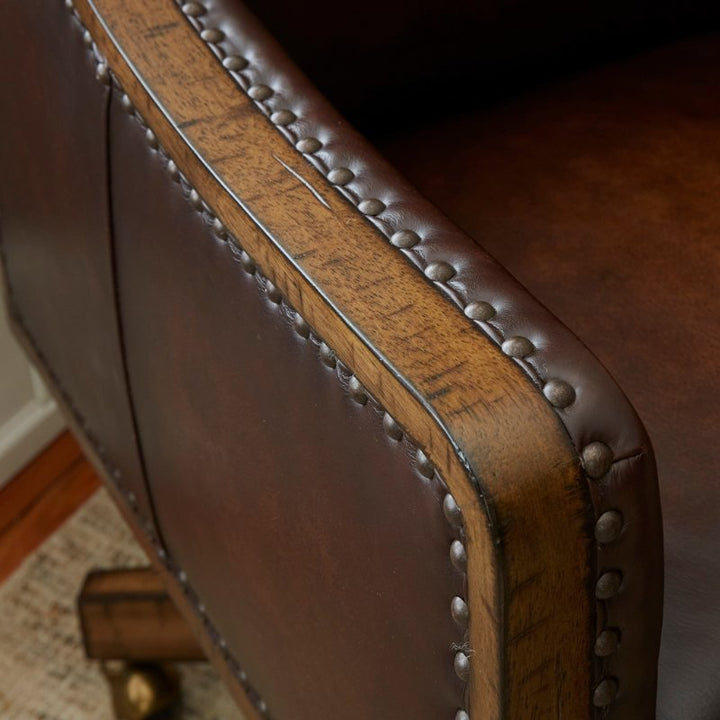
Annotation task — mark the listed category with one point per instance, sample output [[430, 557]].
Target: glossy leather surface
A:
[[600, 411], [55, 225], [184, 405], [601, 195], [318, 550]]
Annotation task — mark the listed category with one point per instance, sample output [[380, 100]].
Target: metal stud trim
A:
[[458, 555], [341, 176], [517, 347], [608, 585], [403, 239], [608, 527], [606, 643], [212, 35], [452, 512], [559, 393], [371, 206], [308, 145], [605, 693], [440, 271], [234, 63], [392, 429]]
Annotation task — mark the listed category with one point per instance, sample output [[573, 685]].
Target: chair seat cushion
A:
[[602, 195]]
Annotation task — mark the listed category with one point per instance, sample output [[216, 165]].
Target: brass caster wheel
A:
[[143, 691]]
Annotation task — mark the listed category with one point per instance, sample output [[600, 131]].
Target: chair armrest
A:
[[540, 450]]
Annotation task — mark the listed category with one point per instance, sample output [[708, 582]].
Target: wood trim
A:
[[40, 498], [126, 614], [493, 437]]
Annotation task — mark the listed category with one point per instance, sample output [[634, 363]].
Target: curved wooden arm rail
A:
[[488, 427]]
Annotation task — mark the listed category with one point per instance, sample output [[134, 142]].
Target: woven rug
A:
[[44, 674]]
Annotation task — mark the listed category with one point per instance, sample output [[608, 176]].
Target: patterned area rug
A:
[[44, 674]]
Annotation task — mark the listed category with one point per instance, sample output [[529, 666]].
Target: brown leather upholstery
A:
[[601, 195], [248, 437], [56, 227], [600, 412], [270, 480]]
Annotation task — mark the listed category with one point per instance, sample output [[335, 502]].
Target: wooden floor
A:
[[40, 497]]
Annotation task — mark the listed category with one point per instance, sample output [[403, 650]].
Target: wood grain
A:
[[126, 614], [40, 498], [491, 434]]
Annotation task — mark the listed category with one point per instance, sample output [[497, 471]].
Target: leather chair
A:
[[377, 473]]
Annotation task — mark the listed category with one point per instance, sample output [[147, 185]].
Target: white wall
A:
[[29, 418]]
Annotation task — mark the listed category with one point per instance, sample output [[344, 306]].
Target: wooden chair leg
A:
[[131, 625]]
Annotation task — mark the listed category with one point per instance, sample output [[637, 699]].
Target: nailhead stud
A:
[[605, 693], [173, 170], [193, 9], [606, 643], [453, 514], [392, 429], [597, 459], [182, 577], [151, 139], [458, 555], [424, 465], [479, 310], [283, 117], [272, 292], [308, 145], [301, 327], [127, 103], [212, 35], [559, 393], [608, 527], [234, 63], [405, 239], [459, 611], [371, 206], [247, 262], [259, 92], [327, 356], [439, 271], [608, 585], [357, 391], [340, 176], [195, 199], [517, 347], [462, 666], [87, 38], [219, 229], [102, 73], [461, 715]]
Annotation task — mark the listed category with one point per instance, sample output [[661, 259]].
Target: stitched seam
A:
[[343, 373], [120, 325]]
